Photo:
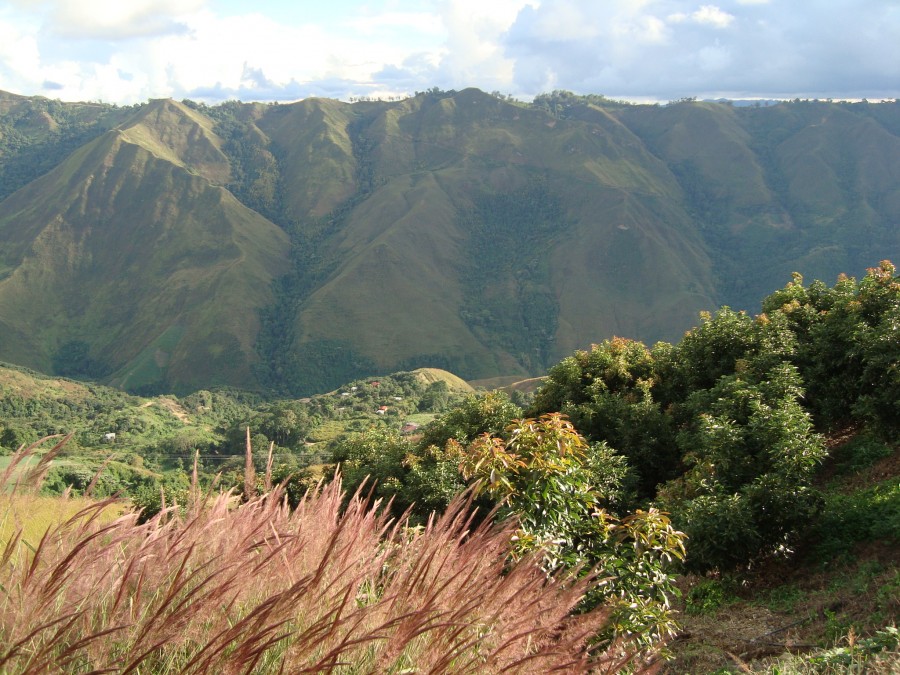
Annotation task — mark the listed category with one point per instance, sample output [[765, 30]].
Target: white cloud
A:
[[707, 15], [112, 19], [713, 16], [19, 54], [672, 48], [130, 50]]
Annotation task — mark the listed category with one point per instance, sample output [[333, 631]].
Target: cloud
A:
[[113, 19], [128, 51], [713, 16], [672, 48], [707, 14]]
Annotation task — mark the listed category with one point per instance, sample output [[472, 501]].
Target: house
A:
[[409, 428], [382, 410], [109, 438]]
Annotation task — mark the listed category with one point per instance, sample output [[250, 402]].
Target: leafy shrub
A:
[[607, 392], [750, 454], [474, 415], [555, 485], [869, 514], [707, 597], [848, 346]]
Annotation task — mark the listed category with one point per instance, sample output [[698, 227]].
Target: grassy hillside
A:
[[295, 247], [152, 436], [127, 249]]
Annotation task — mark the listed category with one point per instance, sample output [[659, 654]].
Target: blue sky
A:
[[126, 51]]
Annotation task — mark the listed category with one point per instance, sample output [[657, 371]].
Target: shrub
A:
[[750, 454], [607, 392], [556, 486]]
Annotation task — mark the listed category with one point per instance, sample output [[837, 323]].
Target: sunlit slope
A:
[[317, 165], [127, 248], [436, 267], [174, 132], [451, 229]]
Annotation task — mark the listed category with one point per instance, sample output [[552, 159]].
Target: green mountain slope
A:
[[490, 239], [295, 247], [127, 253], [805, 186]]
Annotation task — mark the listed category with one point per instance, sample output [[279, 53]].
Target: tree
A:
[[750, 454], [558, 488], [376, 457], [848, 346], [607, 392], [476, 414]]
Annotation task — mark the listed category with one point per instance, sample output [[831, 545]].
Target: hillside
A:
[[753, 466], [295, 247], [135, 263]]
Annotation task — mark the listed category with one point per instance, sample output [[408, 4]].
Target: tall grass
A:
[[215, 587]]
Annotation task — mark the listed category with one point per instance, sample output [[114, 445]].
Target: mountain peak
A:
[[173, 131]]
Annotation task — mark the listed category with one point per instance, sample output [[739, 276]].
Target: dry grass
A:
[[261, 588]]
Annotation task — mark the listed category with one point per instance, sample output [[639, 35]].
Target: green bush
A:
[[556, 486], [750, 454], [707, 597], [607, 392]]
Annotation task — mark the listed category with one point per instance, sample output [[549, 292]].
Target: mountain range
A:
[[173, 246]]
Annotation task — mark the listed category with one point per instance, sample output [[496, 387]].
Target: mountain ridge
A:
[[451, 229]]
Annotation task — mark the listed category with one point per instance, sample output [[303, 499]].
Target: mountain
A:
[[294, 247], [131, 258]]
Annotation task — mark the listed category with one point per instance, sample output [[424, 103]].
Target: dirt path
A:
[[172, 406]]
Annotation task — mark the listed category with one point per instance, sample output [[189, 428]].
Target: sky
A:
[[128, 51]]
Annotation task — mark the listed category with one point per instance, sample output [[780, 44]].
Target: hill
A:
[[137, 267], [173, 246]]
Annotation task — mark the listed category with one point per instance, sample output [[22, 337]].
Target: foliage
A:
[[878, 653], [155, 496], [264, 588], [37, 134], [558, 489], [377, 458], [556, 486], [723, 344], [560, 103], [849, 346], [422, 475], [489, 413], [507, 300], [713, 429], [156, 439], [868, 514], [750, 455], [607, 392], [707, 597]]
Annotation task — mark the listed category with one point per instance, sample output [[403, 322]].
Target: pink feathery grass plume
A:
[[330, 586]]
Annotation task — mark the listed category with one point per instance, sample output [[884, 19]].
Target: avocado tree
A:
[[558, 488]]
